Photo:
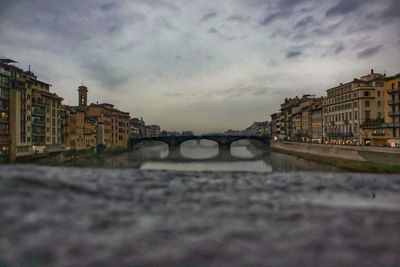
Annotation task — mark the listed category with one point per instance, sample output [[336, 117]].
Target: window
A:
[[379, 93], [367, 114], [367, 104], [379, 115], [379, 103], [355, 115], [355, 104], [367, 93], [28, 96]]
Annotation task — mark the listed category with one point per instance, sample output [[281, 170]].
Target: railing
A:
[[378, 134], [393, 102], [38, 102], [38, 122], [394, 113], [393, 90], [340, 134], [38, 112], [5, 72]]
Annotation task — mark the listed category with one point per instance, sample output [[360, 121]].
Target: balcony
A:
[[36, 122], [393, 102], [38, 102], [18, 85], [38, 112], [378, 134], [5, 72], [393, 90], [394, 113], [340, 135]]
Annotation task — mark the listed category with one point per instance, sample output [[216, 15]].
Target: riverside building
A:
[[351, 106], [31, 115]]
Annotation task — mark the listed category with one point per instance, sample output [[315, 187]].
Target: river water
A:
[[204, 155]]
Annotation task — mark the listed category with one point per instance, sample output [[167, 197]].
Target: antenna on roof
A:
[[29, 68], [82, 83]]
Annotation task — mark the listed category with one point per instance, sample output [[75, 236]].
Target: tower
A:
[[83, 90]]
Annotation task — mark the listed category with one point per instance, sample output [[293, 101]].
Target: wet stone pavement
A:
[[96, 217]]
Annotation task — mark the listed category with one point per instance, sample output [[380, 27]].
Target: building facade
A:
[[34, 114], [351, 106]]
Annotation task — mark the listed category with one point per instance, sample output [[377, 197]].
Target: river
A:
[[204, 155]]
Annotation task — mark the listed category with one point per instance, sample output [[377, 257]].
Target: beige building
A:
[[350, 106], [152, 130], [316, 121], [111, 125], [386, 131], [34, 113]]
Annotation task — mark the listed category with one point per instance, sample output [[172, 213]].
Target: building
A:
[[5, 88], [152, 131], [102, 124], [351, 106], [80, 130], [386, 131], [290, 107], [31, 115], [316, 121], [137, 127], [392, 109], [258, 129]]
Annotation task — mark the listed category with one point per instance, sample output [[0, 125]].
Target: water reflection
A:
[[199, 149], [204, 155]]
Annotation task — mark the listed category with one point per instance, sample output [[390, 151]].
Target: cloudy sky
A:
[[204, 65]]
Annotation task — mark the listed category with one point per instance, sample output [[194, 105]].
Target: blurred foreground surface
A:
[[99, 217]]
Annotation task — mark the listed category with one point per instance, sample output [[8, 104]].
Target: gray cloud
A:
[[392, 11], [223, 36], [239, 18], [108, 6], [339, 48], [293, 54], [270, 18], [345, 6], [133, 50], [304, 23], [369, 52], [208, 16]]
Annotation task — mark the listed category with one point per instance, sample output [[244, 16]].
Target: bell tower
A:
[[83, 91]]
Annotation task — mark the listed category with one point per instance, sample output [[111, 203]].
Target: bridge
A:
[[224, 141]]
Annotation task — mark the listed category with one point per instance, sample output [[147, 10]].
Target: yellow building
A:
[[34, 113], [351, 106], [386, 132], [392, 108], [111, 125]]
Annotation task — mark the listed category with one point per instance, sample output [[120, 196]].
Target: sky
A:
[[201, 65]]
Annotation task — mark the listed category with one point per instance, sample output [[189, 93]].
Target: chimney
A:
[[372, 71]]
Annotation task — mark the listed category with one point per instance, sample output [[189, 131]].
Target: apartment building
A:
[[316, 121], [80, 130], [386, 131], [31, 118], [112, 125], [152, 130], [392, 109], [5, 88], [137, 127], [290, 108], [351, 106]]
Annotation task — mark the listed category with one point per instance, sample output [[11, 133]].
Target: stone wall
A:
[[360, 153]]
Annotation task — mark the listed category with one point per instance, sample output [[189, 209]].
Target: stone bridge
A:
[[224, 141]]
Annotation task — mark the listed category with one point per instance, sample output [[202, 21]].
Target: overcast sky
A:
[[203, 65]]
